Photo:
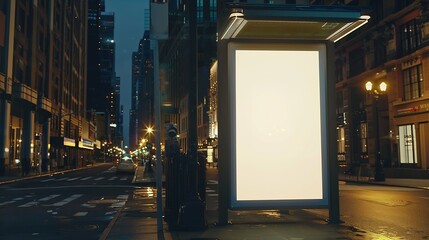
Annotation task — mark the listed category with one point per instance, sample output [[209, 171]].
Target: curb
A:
[[109, 227], [383, 184]]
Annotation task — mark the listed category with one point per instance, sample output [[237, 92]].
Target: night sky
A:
[[129, 29]]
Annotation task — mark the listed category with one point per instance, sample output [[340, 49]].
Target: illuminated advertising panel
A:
[[278, 125]]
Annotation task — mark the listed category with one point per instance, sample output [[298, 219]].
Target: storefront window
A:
[[407, 144]]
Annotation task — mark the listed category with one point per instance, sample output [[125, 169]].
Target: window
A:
[[407, 144], [411, 37], [356, 62], [413, 82]]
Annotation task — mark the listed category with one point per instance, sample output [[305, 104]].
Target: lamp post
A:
[[149, 145], [149, 131], [379, 173]]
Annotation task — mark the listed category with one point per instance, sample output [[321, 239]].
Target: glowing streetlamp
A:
[[149, 131], [379, 173]]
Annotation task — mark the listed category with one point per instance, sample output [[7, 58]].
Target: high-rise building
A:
[[45, 83], [102, 85], [142, 104], [175, 60], [118, 124], [95, 9]]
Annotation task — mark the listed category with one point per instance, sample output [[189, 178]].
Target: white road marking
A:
[[5, 203], [113, 178], [118, 204], [61, 179], [210, 190], [212, 182], [85, 178], [123, 197], [18, 198], [212, 194], [48, 180], [49, 197], [87, 205], [67, 200], [124, 178], [99, 178], [80, 214], [72, 179], [29, 204]]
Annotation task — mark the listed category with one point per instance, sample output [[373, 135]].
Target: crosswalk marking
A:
[[212, 182], [87, 205], [29, 204], [124, 178], [60, 179], [118, 204], [80, 214], [49, 201], [7, 202], [72, 179], [210, 190], [67, 200], [48, 180], [49, 197], [123, 197]]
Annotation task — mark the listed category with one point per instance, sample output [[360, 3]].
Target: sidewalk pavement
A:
[[137, 220]]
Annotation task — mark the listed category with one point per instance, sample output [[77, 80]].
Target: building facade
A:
[[392, 49], [42, 63], [175, 60]]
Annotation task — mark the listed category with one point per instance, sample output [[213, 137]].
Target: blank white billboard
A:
[[278, 125]]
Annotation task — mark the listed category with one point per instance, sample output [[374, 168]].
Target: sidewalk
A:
[[138, 218]]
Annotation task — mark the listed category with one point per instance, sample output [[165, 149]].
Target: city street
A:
[[384, 212], [73, 205], [370, 211]]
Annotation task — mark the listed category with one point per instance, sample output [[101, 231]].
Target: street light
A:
[[149, 131], [379, 173]]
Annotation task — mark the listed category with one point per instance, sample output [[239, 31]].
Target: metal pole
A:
[[379, 174], [224, 143], [158, 137], [334, 198]]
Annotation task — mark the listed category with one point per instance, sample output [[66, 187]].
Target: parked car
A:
[[126, 165]]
